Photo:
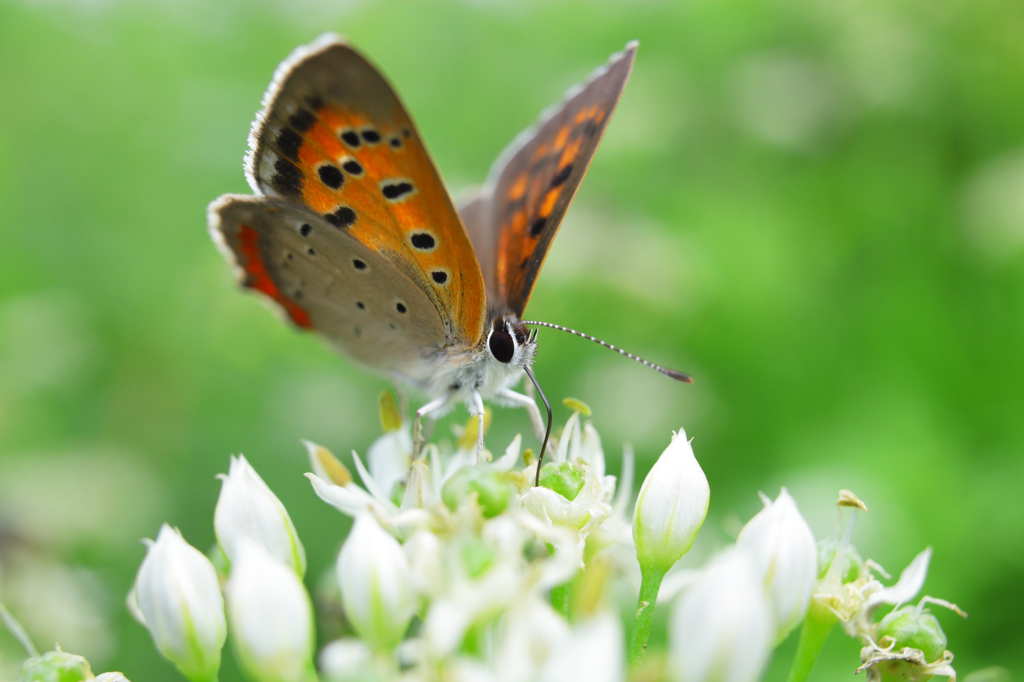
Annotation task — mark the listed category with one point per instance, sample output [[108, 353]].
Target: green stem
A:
[[560, 598], [649, 586], [817, 624]]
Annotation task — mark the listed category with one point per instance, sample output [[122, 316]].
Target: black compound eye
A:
[[501, 345]]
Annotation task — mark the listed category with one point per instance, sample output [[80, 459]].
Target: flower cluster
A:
[[458, 568]]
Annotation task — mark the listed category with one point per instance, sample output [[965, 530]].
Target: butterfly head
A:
[[510, 342]]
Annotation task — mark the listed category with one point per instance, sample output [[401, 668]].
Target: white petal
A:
[[721, 628], [906, 588], [247, 510], [271, 617], [179, 597]]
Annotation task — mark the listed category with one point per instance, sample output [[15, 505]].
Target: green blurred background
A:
[[816, 207]]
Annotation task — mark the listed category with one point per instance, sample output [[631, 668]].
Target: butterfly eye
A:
[[502, 346]]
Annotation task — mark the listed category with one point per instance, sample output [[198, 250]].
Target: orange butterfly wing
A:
[[530, 187], [334, 138]]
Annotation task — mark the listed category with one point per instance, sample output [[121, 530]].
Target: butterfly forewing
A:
[[535, 179], [327, 281], [334, 138]]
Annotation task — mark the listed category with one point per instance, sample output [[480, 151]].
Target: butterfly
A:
[[352, 234]]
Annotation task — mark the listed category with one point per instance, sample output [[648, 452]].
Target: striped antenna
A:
[[678, 376]]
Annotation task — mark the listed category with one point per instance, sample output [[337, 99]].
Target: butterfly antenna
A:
[[678, 376], [547, 434]]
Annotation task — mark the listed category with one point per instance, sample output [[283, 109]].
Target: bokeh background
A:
[[816, 207]]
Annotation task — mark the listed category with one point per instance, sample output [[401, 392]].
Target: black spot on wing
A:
[[538, 226], [423, 241], [287, 178], [439, 276], [302, 120], [394, 190], [305, 229], [331, 176], [358, 264], [562, 176], [360, 305], [353, 167], [342, 217], [351, 138], [370, 136], [400, 307], [395, 142], [288, 143]]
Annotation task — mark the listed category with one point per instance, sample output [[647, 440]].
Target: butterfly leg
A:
[[513, 399], [417, 427], [478, 404]]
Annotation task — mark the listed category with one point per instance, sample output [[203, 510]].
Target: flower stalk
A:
[[650, 584], [818, 623]]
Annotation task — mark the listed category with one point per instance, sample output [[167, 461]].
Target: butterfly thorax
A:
[[497, 362]]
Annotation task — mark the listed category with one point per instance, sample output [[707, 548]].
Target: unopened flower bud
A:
[[782, 548], [376, 588], [722, 628], [179, 597], [671, 507], [492, 489], [565, 478], [271, 617], [56, 666], [247, 510]]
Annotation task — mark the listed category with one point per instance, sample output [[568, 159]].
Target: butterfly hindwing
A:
[[327, 281], [334, 138], [534, 180]]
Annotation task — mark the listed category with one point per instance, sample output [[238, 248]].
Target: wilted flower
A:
[[722, 628], [248, 510], [271, 617], [782, 548], [376, 589], [671, 506], [55, 666], [178, 596]]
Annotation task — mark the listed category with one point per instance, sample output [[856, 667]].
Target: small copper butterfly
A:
[[353, 235]]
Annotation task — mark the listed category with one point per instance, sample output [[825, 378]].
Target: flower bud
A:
[[671, 507], [376, 589], [248, 510], [271, 617], [722, 628], [783, 552], [179, 597], [56, 666], [492, 489]]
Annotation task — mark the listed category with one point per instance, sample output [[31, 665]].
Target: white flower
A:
[[593, 652], [271, 617], [531, 633], [388, 458], [785, 556], [376, 589], [722, 628], [345, 659], [178, 596], [110, 677], [248, 510], [671, 506], [581, 515]]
